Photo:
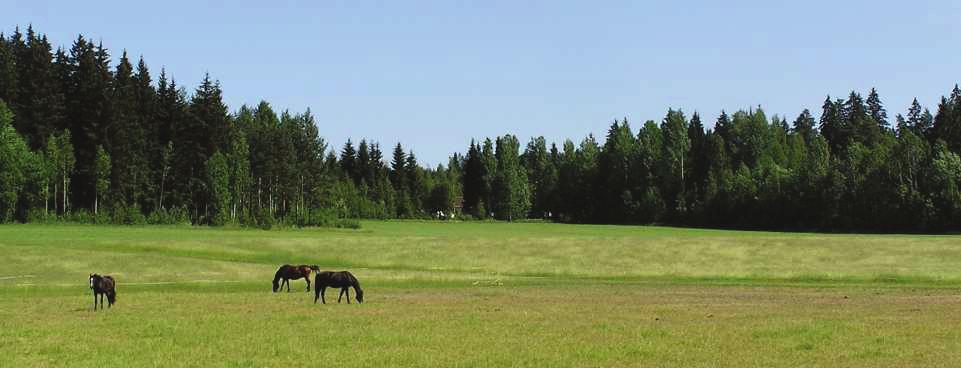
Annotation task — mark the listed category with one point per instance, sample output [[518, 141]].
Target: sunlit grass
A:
[[481, 294]]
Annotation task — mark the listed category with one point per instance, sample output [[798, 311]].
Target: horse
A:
[[103, 285], [342, 280], [288, 272]]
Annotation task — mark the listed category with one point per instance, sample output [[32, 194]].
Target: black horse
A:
[[103, 285], [342, 280], [289, 272]]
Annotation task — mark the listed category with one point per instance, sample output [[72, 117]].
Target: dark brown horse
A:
[[288, 272], [342, 280], [103, 285]]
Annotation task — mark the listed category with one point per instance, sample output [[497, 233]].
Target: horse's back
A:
[[109, 283]]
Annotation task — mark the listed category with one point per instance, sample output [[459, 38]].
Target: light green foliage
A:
[[102, 175], [218, 183], [512, 193], [16, 163], [61, 162]]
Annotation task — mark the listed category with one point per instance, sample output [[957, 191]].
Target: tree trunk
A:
[[64, 206], [163, 178]]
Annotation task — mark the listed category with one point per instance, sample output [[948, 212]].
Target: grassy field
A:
[[482, 294]]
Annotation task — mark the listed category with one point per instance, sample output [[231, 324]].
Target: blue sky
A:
[[435, 74]]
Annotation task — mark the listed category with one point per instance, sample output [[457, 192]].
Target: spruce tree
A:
[[397, 167], [804, 126], [127, 138], [348, 160], [877, 111]]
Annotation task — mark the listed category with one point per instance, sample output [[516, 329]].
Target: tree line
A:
[[84, 140]]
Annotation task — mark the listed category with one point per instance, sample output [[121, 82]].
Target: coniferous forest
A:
[[85, 139]]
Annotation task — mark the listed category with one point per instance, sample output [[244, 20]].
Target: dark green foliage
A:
[[82, 141]]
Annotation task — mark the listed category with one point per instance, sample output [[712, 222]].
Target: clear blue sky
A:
[[434, 74]]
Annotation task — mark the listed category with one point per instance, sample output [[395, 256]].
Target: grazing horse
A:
[[288, 272], [103, 285], [342, 280]]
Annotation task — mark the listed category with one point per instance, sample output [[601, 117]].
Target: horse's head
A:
[[93, 277], [276, 285], [360, 294]]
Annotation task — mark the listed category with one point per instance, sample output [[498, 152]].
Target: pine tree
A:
[[832, 124], [415, 182], [348, 160], [145, 100], [699, 162], [541, 175], [127, 138], [947, 122], [473, 180], [39, 108], [877, 111], [488, 169], [804, 126], [397, 167], [861, 127], [616, 173], [8, 70], [364, 169], [916, 120]]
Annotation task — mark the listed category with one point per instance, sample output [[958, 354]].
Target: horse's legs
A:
[[341, 296], [322, 291], [347, 291], [94, 300], [308, 282]]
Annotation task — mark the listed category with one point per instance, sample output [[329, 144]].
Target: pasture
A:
[[481, 294]]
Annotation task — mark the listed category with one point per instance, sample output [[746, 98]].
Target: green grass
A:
[[481, 294]]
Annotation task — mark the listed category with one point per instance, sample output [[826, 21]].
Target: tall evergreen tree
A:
[[804, 126], [39, 105], [127, 138], [348, 160], [877, 111]]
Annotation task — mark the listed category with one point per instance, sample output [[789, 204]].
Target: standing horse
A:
[[342, 280], [103, 285], [288, 272]]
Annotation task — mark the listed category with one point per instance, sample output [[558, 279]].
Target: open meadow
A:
[[481, 294]]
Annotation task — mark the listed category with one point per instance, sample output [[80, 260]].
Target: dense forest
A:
[[83, 140]]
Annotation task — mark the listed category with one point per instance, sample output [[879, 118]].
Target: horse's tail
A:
[[110, 288], [357, 290]]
